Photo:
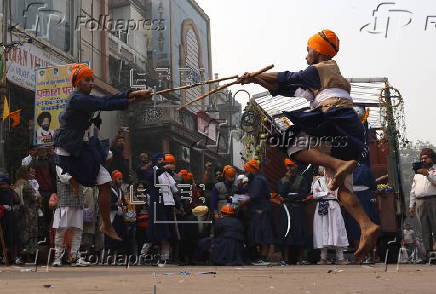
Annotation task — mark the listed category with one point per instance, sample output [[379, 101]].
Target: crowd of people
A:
[[87, 200], [227, 217]]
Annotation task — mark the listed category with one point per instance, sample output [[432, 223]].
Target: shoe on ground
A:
[[57, 263], [80, 262], [162, 263], [342, 262], [260, 262], [305, 262], [19, 261], [322, 262]]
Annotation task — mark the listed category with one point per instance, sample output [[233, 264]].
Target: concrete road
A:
[[290, 279]]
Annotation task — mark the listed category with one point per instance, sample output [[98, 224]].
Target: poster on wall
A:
[[52, 89]]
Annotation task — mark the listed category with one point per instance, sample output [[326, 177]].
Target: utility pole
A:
[[394, 153], [3, 77]]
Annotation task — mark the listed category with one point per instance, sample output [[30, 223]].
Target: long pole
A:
[[3, 77], [195, 85], [223, 87]]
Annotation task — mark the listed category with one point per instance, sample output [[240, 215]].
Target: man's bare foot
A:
[[74, 186], [368, 240], [343, 170], [110, 232]]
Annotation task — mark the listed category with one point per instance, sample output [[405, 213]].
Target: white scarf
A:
[[169, 189]]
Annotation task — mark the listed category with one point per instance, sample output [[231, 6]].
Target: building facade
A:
[[129, 44]]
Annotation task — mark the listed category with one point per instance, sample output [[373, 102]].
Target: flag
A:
[[15, 118], [5, 108]]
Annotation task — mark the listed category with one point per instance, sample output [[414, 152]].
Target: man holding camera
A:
[[423, 196]]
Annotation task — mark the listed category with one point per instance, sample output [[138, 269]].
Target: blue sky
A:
[[247, 35]]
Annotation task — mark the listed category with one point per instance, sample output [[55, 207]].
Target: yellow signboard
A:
[[52, 89]]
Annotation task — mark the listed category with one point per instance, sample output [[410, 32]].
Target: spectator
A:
[[116, 214], [119, 161], [26, 214], [142, 220], [222, 191], [409, 239], [162, 204], [242, 182], [292, 188], [423, 197], [364, 186], [228, 243], [91, 237], [8, 199], [259, 208], [32, 153], [328, 224], [129, 223], [144, 163], [45, 173], [68, 216], [189, 232]]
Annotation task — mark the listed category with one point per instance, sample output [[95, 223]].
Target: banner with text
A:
[[52, 89]]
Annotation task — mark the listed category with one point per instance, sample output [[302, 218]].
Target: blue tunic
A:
[[340, 124], [158, 232], [86, 157], [296, 235], [260, 211], [362, 176], [227, 246]]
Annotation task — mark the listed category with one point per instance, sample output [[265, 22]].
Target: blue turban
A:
[[156, 156], [5, 178]]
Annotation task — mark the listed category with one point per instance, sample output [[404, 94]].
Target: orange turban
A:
[[252, 166], [116, 174], [229, 171], [325, 42], [169, 158], [186, 175], [183, 172], [287, 162], [79, 72], [227, 210]]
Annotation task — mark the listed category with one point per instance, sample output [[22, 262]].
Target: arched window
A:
[[191, 61]]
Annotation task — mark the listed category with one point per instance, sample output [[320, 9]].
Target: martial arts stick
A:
[[224, 86], [195, 85]]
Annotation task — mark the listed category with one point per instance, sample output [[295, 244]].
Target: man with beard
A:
[[423, 197], [43, 134], [144, 164], [222, 191]]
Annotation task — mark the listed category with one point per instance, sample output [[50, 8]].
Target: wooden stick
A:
[[195, 85], [224, 86]]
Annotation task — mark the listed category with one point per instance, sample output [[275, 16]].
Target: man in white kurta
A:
[[68, 215], [328, 224]]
